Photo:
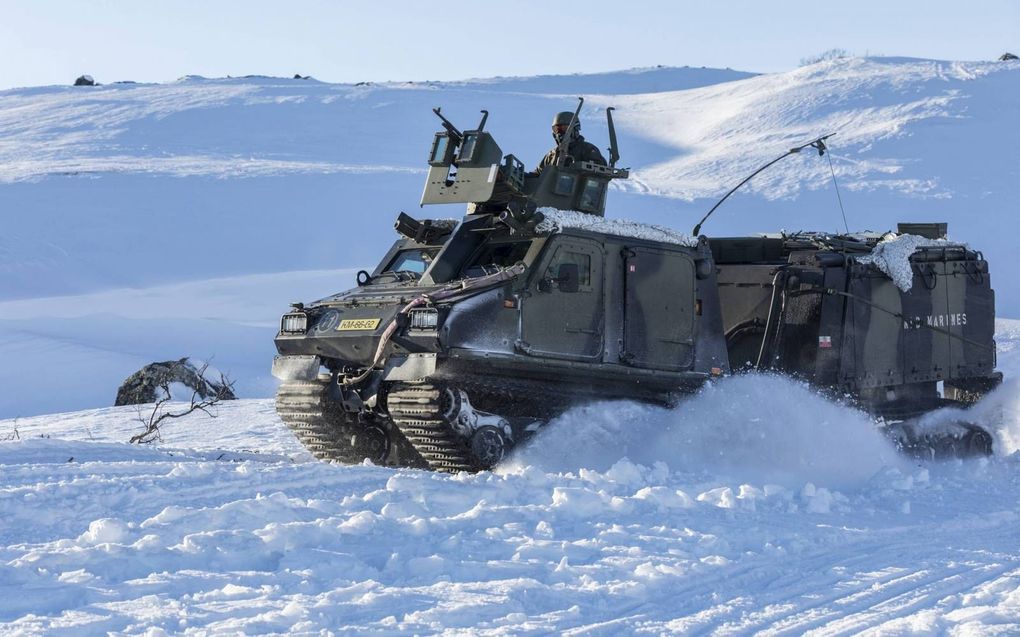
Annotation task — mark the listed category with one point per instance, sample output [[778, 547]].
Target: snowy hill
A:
[[148, 191]]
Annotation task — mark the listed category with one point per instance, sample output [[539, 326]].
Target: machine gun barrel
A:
[[455, 135]]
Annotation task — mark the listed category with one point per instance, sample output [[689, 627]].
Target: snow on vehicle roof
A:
[[892, 256], [557, 220]]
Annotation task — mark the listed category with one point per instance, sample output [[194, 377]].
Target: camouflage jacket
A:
[[579, 150]]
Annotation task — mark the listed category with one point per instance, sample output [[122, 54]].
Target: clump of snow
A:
[[105, 531], [892, 256], [556, 220]]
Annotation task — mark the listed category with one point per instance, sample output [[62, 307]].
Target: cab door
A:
[[562, 315], [659, 309]]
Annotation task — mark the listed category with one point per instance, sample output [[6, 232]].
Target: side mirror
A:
[[568, 277]]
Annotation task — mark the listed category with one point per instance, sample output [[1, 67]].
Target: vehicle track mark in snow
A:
[[835, 604], [883, 601], [825, 591]]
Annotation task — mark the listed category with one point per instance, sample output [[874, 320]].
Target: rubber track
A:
[[323, 432], [417, 410], [512, 397]]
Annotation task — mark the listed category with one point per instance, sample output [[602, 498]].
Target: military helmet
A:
[[563, 118]]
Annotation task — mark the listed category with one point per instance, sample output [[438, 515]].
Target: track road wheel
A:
[[373, 442], [488, 447]]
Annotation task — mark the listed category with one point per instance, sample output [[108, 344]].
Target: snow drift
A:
[[757, 428]]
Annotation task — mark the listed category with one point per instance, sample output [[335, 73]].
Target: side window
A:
[[491, 256], [580, 259], [440, 150], [467, 147], [591, 195], [564, 184]]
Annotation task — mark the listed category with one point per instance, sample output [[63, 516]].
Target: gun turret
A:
[[466, 167], [469, 167]]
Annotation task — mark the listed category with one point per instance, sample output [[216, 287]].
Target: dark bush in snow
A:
[[1007, 56], [149, 384], [85, 80]]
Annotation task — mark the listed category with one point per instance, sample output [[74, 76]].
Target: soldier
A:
[[577, 150]]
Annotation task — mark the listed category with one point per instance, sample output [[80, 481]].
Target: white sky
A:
[[54, 41]]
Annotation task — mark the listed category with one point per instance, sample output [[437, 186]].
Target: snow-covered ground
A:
[[754, 507]]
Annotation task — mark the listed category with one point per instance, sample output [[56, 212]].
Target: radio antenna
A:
[[835, 185], [818, 144]]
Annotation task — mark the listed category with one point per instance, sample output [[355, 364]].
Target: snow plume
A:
[[759, 428], [998, 412], [555, 220], [892, 256]]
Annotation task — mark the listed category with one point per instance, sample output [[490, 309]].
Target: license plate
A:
[[358, 324]]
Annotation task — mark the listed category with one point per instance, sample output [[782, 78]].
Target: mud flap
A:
[[296, 367], [410, 367]]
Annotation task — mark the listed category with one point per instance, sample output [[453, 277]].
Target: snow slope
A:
[[127, 189], [63, 353], [755, 507]]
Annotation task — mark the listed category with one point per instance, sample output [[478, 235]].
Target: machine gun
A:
[[451, 130], [426, 231]]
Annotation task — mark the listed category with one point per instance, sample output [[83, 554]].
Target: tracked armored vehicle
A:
[[471, 335]]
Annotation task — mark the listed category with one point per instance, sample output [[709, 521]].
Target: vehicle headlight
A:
[[296, 323], [427, 319]]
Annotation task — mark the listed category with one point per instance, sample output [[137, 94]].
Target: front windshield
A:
[[414, 260], [494, 256]]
